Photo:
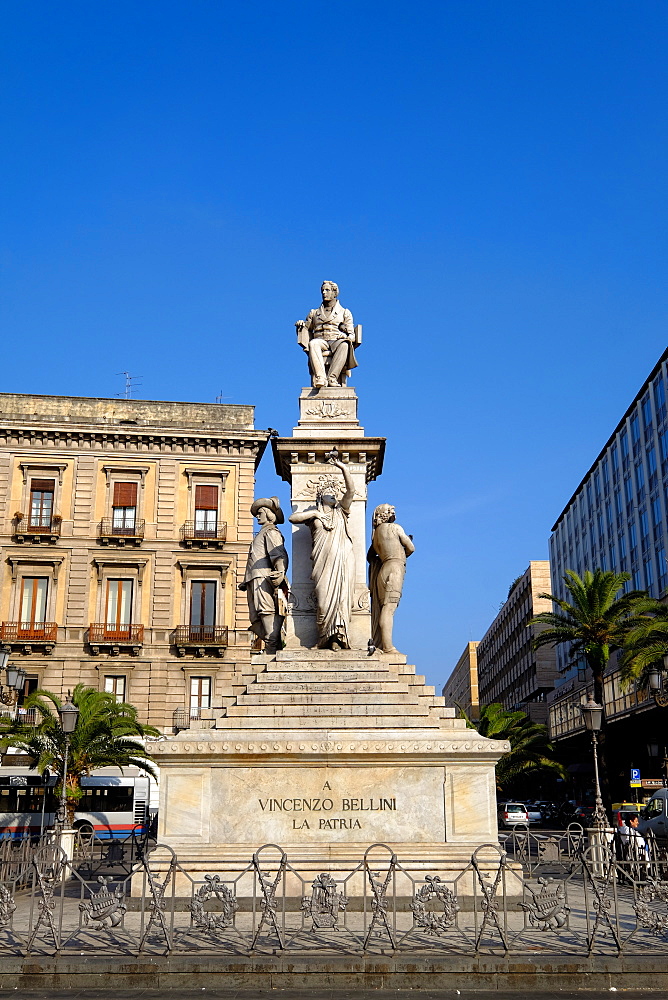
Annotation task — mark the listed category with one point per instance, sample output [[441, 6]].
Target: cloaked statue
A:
[[265, 579], [389, 549], [333, 559], [329, 338]]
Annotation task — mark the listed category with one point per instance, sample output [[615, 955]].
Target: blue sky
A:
[[486, 181]]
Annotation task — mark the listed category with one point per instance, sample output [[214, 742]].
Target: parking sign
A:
[[635, 778]]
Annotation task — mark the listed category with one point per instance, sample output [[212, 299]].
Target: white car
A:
[[513, 814]]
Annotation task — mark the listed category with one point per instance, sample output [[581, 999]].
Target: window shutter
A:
[[42, 485], [206, 498], [125, 495]]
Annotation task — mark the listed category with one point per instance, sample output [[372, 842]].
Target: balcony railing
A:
[[199, 639], [112, 634], [111, 528], [38, 528], [28, 632], [193, 534], [205, 635]]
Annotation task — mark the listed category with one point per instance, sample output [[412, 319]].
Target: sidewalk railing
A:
[[371, 903]]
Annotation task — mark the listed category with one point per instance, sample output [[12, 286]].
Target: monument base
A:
[[324, 754]]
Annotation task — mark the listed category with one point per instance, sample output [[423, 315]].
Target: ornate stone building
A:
[[124, 527]]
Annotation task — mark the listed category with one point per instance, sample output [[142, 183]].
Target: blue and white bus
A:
[[112, 807]]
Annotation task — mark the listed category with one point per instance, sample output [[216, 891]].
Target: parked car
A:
[[535, 812], [513, 814], [654, 816]]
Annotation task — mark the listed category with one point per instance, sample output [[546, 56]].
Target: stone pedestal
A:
[[324, 754], [327, 419]]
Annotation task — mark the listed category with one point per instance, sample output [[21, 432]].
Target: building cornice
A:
[[232, 445]]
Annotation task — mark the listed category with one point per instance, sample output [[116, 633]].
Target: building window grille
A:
[[34, 592], [606, 471], [656, 513], [118, 614], [659, 399], [206, 511], [115, 684], [200, 695], [649, 574], [124, 507], [41, 502]]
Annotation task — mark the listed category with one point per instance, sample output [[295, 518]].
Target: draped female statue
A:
[[333, 571]]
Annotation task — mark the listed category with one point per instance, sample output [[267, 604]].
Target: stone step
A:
[[323, 698], [329, 722], [310, 711], [307, 676], [338, 656], [329, 687], [343, 666]]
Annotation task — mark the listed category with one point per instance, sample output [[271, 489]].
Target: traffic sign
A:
[[635, 774]]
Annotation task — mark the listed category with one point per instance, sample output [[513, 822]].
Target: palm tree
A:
[[595, 623], [530, 749], [645, 645], [107, 734]]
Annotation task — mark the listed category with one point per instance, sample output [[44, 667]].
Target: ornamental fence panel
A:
[[376, 903]]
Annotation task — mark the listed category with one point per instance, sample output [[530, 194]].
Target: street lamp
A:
[[69, 713], [593, 716], [655, 683]]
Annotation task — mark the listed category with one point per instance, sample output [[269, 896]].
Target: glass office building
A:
[[617, 517]]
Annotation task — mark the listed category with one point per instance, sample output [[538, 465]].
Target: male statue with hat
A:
[[265, 581]]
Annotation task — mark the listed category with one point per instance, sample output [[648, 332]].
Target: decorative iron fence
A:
[[376, 903]]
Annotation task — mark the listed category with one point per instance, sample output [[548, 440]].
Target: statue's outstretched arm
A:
[[302, 516], [349, 495]]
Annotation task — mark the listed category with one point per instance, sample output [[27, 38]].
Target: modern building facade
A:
[[617, 520], [510, 671], [461, 688], [124, 526]]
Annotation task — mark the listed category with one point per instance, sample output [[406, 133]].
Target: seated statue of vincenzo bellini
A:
[[329, 338]]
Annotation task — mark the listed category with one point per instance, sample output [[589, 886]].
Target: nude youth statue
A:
[[389, 549]]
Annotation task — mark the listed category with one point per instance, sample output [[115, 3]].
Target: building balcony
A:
[[199, 640], [37, 529], [119, 533], [114, 638], [203, 538], [25, 637]]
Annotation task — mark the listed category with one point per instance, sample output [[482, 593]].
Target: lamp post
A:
[[655, 683], [16, 680], [69, 713], [593, 716]]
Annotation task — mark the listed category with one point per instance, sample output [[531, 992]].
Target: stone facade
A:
[[509, 670], [461, 688], [124, 527]]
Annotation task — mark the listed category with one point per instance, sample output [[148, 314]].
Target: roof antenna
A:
[[131, 383], [220, 397]]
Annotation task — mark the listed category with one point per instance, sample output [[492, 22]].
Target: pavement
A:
[[324, 994]]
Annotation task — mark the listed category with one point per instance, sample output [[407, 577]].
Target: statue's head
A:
[[383, 512], [267, 510], [329, 291], [324, 496]]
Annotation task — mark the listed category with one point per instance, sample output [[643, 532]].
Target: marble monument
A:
[[334, 743]]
